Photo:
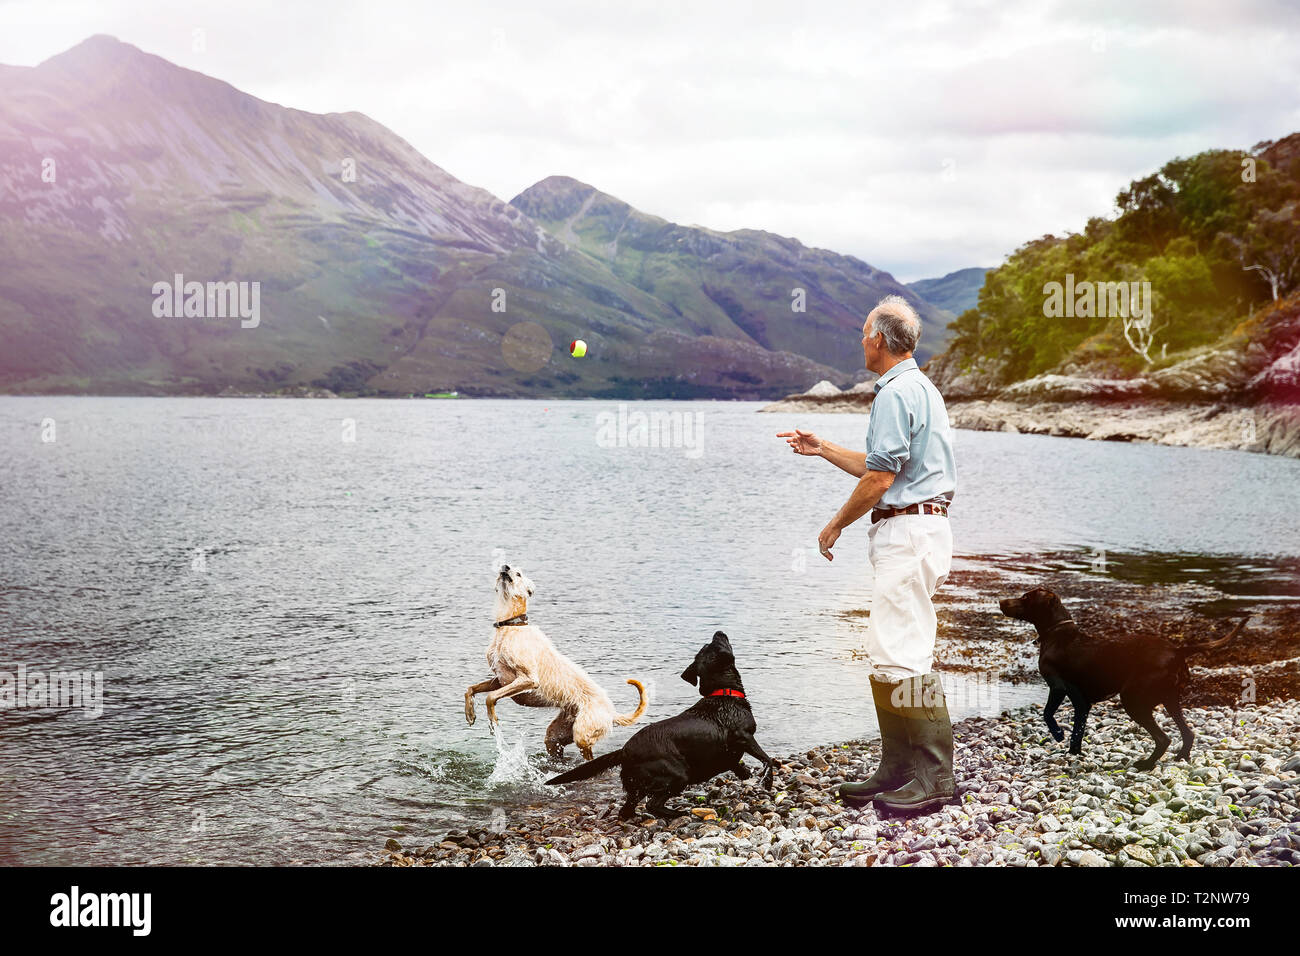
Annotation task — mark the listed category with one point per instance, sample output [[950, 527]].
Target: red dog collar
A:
[[726, 692]]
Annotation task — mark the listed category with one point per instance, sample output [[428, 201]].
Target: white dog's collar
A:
[[518, 619]]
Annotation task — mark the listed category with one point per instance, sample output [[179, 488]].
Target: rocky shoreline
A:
[[974, 638], [1242, 393], [1022, 801], [1266, 428]]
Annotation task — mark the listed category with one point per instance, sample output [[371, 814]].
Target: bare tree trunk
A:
[[1146, 335], [1274, 280]]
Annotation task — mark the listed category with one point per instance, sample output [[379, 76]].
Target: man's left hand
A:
[[826, 540]]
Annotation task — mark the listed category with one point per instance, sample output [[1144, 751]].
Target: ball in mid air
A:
[[577, 348]]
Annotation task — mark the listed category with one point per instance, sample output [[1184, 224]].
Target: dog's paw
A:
[[1057, 733], [1144, 766], [470, 716]]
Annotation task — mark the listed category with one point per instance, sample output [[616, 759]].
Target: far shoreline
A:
[[1263, 428], [387, 398], [1267, 428]]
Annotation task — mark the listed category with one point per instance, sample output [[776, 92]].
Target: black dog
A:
[[1145, 670], [664, 758]]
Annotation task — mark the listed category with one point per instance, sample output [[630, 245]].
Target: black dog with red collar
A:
[[711, 737]]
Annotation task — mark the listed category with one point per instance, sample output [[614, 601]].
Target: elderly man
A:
[[906, 479]]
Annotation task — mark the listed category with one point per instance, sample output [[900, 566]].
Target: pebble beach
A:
[[1021, 801]]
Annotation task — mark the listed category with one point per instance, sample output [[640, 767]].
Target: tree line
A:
[[1216, 235]]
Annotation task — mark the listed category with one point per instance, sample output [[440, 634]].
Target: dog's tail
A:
[[1212, 645], [624, 720], [589, 769]]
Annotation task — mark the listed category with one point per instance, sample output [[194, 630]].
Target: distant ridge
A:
[[956, 292], [729, 283]]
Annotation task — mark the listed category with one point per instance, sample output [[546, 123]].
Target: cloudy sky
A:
[[920, 136]]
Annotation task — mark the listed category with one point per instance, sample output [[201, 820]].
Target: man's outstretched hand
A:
[[826, 540], [802, 443]]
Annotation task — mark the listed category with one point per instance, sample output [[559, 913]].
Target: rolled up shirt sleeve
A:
[[889, 432]]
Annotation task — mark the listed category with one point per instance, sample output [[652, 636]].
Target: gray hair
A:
[[898, 322]]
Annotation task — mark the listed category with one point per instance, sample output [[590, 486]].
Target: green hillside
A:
[[731, 284], [1216, 236]]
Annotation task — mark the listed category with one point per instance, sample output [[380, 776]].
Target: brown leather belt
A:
[[924, 508]]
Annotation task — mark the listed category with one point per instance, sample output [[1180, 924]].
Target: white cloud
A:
[[921, 137]]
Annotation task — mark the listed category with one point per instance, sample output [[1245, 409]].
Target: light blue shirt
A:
[[909, 434]]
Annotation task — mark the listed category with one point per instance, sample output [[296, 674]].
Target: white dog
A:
[[527, 668]]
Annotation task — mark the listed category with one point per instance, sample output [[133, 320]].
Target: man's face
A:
[[872, 344]]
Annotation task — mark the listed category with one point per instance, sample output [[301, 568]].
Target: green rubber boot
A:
[[896, 754], [925, 715]]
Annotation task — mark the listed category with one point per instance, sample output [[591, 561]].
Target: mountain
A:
[[956, 292], [729, 284], [376, 271]]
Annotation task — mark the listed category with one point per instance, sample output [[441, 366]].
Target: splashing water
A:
[[513, 765], [425, 766]]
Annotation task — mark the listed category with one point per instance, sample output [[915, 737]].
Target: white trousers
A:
[[911, 556]]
